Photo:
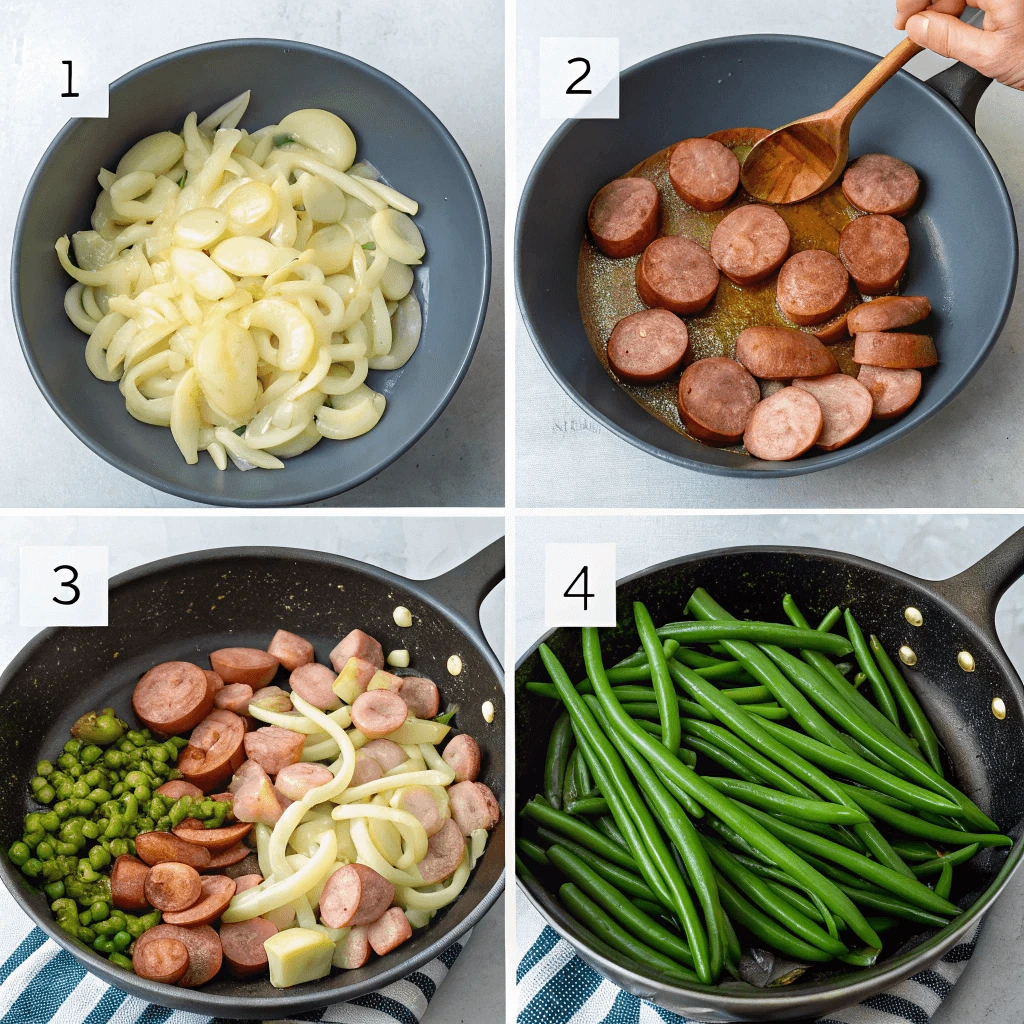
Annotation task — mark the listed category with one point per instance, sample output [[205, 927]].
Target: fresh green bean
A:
[[584, 780], [588, 805], [893, 906], [914, 851], [575, 829], [696, 632], [720, 757], [934, 867], [774, 801], [570, 793], [611, 830], [944, 885], [634, 709], [530, 849], [744, 694], [664, 691], [837, 833], [623, 880], [883, 698]]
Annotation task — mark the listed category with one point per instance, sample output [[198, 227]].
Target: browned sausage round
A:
[[648, 346], [274, 747], [216, 840], [462, 755], [781, 353], [812, 286], [366, 770], [173, 886], [172, 697], [235, 697], [378, 713], [784, 426], [444, 853], [875, 250], [165, 847], [676, 274], [739, 136], [386, 753], [164, 960], [217, 891], [314, 684], [225, 858], [357, 644], [244, 882], [716, 398], [389, 931], [420, 803], [704, 173], [893, 391], [878, 183], [888, 312], [355, 894], [845, 408], [750, 244], [623, 216], [295, 780], [214, 750], [128, 884], [832, 331], [247, 665], [290, 649], [205, 955], [473, 806], [353, 950], [177, 788], [213, 679], [895, 350], [243, 946], [420, 694]]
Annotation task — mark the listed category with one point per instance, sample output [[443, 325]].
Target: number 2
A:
[[573, 91], [585, 573], [70, 584], [71, 93]]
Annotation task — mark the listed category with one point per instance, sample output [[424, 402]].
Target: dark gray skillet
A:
[[394, 131], [962, 234], [984, 756], [186, 606]]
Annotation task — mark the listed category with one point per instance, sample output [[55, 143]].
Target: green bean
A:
[[934, 867], [842, 877], [530, 849], [588, 805], [883, 698], [668, 708], [697, 632], [798, 900], [744, 694], [894, 907], [584, 780], [720, 757], [575, 829], [690, 658], [623, 880], [652, 711], [569, 791], [774, 801], [944, 885], [913, 851], [837, 833], [611, 830]]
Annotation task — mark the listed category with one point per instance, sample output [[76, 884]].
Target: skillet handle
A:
[[977, 590], [960, 83]]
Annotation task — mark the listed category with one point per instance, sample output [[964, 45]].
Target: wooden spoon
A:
[[804, 157]]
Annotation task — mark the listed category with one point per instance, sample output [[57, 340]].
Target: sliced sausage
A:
[[716, 398], [164, 960], [205, 955], [473, 806], [704, 173], [255, 796], [247, 665], [895, 350], [833, 330], [875, 250], [235, 697], [295, 780], [750, 244], [676, 274], [128, 884], [845, 407], [784, 426], [366, 770], [740, 136], [248, 865], [888, 312], [892, 391], [378, 713], [812, 286], [357, 644], [389, 931], [353, 950], [386, 753], [273, 747], [354, 895], [878, 183], [314, 683], [177, 788], [420, 694], [462, 755], [623, 216], [249, 770], [444, 852], [420, 803], [225, 858], [216, 840], [165, 847], [217, 891], [290, 649], [172, 697], [781, 353], [244, 882], [213, 679], [243, 946], [215, 750], [648, 346], [172, 886]]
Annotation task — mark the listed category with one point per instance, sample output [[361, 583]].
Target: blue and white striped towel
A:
[[555, 986], [41, 982]]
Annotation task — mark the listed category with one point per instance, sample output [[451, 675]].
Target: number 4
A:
[[585, 573]]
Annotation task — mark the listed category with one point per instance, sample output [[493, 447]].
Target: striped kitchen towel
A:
[[41, 982], [554, 985]]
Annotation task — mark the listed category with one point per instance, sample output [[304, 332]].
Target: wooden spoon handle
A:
[[850, 104]]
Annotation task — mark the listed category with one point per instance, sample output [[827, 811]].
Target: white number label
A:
[[579, 77], [579, 585], [63, 586]]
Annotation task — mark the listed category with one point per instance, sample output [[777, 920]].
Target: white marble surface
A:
[[959, 458], [449, 54]]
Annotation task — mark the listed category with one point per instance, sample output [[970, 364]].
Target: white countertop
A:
[[959, 458]]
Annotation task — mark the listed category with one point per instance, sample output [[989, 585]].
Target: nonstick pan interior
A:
[[984, 756], [962, 233], [185, 607]]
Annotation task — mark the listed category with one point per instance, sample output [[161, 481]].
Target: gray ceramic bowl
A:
[[394, 131]]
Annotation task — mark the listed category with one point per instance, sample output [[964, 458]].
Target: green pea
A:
[[87, 935], [95, 778], [113, 758], [91, 754], [159, 754], [179, 741], [33, 839], [142, 793], [46, 795], [103, 945], [73, 746], [143, 824], [68, 849], [75, 771], [45, 850], [162, 772], [116, 828], [131, 847], [86, 918], [65, 790], [100, 911], [163, 823], [155, 808], [117, 789], [50, 821], [44, 768], [85, 872], [64, 809], [32, 867], [99, 858], [150, 920], [119, 847], [18, 854], [118, 918], [37, 783], [126, 746], [106, 928], [121, 940], [91, 830], [85, 806], [80, 789], [120, 960], [135, 778], [33, 822], [100, 795], [54, 889], [51, 870]]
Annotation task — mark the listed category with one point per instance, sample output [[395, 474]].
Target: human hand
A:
[[996, 49]]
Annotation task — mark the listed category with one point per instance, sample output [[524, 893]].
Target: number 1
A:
[[71, 93], [585, 573]]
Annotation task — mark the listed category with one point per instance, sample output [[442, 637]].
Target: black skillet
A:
[[962, 234], [186, 606], [984, 755]]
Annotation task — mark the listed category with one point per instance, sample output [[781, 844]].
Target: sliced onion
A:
[[397, 235], [406, 328]]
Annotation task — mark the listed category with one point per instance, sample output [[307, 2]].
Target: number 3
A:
[[70, 584], [572, 90]]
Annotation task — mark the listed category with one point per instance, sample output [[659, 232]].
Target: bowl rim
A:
[[289, 1000], [824, 460], [325, 490]]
